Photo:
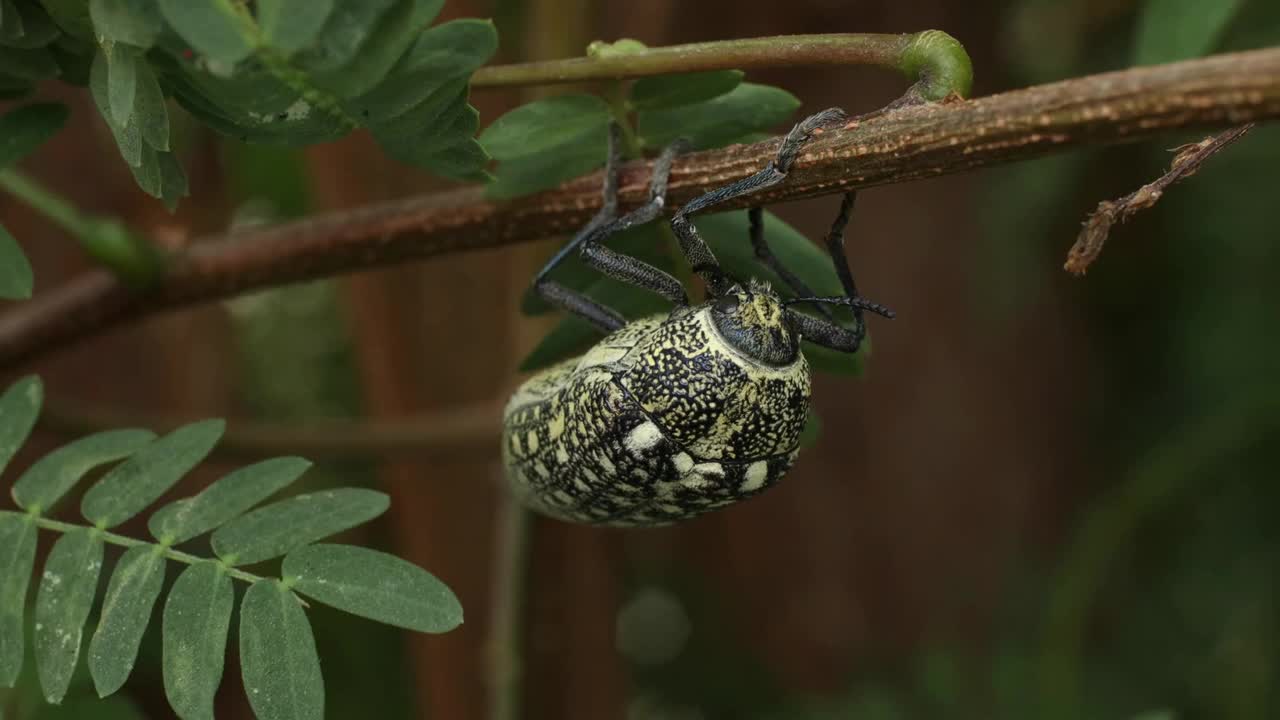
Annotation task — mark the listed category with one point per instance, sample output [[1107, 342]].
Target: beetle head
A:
[[753, 320]]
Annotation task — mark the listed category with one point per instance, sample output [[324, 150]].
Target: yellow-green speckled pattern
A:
[[661, 421]]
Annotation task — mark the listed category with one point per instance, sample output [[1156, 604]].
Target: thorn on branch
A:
[[1188, 160]]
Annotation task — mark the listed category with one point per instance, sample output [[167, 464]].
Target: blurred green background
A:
[[1048, 497]]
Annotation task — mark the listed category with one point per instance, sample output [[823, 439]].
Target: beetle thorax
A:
[[711, 397]]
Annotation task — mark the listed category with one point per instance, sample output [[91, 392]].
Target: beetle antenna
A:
[[857, 303]]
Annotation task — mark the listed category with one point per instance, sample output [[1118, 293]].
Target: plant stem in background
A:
[[457, 432], [47, 203], [933, 59], [130, 257], [510, 591]]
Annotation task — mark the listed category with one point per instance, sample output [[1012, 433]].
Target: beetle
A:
[[676, 414]]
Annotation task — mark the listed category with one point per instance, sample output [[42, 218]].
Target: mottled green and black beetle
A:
[[677, 414]]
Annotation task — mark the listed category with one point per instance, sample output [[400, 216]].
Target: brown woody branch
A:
[[900, 146]]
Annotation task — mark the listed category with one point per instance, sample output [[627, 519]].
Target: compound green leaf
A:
[[128, 135], [1169, 30], [747, 108], [16, 279], [126, 612], [278, 659], [362, 41], [212, 27], [66, 591], [432, 74], [255, 106], [290, 25], [26, 128], [136, 483], [50, 477], [17, 560], [160, 175], [197, 615], [548, 126], [374, 585], [462, 161], [173, 181], [122, 82], [667, 91], [19, 407], [135, 22], [438, 123], [149, 108], [229, 497], [532, 173], [275, 529]]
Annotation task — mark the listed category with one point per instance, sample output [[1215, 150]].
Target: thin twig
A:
[[1089, 243], [462, 432], [907, 144]]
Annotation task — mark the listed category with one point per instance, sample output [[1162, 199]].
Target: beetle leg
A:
[[691, 243], [624, 267], [588, 241], [827, 332], [755, 218]]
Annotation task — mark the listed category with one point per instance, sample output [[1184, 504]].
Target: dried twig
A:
[[907, 144], [1185, 164]]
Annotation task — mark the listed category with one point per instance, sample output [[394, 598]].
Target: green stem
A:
[[123, 541], [47, 203], [616, 96], [936, 61], [134, 260]]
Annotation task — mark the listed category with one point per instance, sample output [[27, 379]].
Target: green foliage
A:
[[373, 584], [22, 130], [197, 616], [291, 72], [719, 121], [278, 656], [16, 278], [275, 529], [1169, 30], [543, 143], [278, 659], [667, 91], [25, 128]]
